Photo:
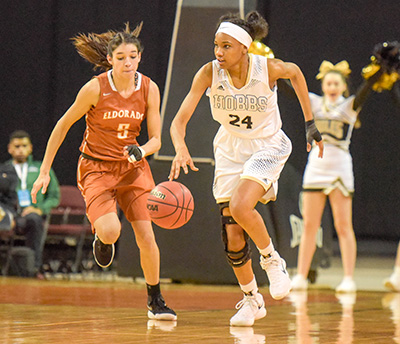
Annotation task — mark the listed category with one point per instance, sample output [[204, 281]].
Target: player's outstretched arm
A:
[[182, 158], [87, 96]]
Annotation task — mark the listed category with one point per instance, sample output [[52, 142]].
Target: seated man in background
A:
[[18, 261], [31, 218]]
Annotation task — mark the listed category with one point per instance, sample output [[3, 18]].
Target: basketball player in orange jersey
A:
[[250, 150], [112, 167]]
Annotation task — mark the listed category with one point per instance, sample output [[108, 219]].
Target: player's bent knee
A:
[[236, 242], [239, 258], [235, 210], [108, 228], [108, 237], [108, 234], [235, 258]]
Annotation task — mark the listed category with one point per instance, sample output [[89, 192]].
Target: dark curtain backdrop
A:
[[42, 71], [41, 74], [307, 32]]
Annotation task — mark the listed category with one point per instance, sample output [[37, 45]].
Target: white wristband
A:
[[142, 151]]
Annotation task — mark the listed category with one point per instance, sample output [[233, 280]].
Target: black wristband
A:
[[312, 132], [134, 152]]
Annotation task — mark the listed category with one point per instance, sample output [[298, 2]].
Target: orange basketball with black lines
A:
[[170, 205]]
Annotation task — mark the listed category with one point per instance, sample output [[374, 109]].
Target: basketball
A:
[[170, 205]]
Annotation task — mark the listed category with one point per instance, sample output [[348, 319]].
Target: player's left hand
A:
[[134, 153]]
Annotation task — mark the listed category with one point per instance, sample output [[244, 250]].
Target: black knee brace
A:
[[239, 258]]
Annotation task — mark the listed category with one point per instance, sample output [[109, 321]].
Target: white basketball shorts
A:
[[261, 160]]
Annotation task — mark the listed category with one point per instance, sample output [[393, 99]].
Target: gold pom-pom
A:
[[259, 48], [385, 82]]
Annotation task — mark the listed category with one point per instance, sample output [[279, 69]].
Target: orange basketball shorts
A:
[[105, 183]]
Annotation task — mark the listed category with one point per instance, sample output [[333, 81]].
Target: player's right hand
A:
[[182, 160], [41, 182]]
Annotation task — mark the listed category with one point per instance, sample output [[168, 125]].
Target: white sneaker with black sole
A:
[[251, 308], [279, 281]]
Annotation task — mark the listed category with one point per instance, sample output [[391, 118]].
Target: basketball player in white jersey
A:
[[250, 149]]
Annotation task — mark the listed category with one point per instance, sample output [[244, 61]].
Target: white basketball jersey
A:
[[249, 112], [335, 121]]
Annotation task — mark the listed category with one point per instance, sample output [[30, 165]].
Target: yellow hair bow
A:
[[341, 67]]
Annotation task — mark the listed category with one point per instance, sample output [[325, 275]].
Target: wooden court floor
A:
[[66, 312]]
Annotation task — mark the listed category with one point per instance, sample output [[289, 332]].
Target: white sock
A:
[[250, 288], [347, 278], [397, 270], [268, 250]]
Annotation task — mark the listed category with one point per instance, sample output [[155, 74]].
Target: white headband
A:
[[236, 32]]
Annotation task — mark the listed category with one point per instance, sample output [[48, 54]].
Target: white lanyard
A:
[[22, 172]]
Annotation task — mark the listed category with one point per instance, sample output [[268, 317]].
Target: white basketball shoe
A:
[[279, 281], [251, 308]]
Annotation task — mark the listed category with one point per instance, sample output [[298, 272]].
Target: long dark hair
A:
[[94, 47]]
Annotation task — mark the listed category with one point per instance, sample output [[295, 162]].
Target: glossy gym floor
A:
[[112, 310]]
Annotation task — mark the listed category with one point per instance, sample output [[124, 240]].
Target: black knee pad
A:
[[239, 258]]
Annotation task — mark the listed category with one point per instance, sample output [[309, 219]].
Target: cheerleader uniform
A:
[[335, 121]]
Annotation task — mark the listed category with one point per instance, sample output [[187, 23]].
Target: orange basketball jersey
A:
[[116, 121]]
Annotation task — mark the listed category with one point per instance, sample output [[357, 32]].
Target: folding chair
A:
[[69, 220]]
